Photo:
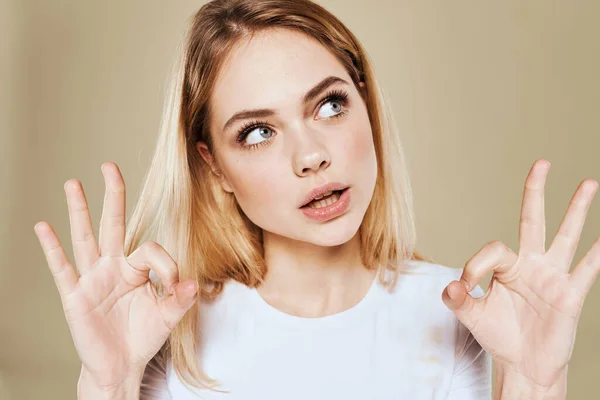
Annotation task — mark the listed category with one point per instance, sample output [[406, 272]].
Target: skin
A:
[[314, 268]]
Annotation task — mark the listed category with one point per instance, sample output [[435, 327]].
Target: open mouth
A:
[[325, 201], [328, 207]]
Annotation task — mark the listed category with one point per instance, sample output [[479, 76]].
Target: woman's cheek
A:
[[259, 193], [363, 161], [360, 148]]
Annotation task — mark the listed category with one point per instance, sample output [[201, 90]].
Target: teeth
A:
[[324, 203], [323, 195]]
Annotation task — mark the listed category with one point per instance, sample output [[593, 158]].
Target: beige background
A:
[[479, 89]]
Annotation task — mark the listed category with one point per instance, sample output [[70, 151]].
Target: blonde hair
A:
[[181, 204]]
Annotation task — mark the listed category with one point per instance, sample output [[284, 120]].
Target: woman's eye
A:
[[263, 132], [336, 106]]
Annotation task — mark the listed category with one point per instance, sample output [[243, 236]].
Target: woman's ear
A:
[[208, 158]]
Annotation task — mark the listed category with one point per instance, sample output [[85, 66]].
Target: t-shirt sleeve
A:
[[472, 376], [154, 381]]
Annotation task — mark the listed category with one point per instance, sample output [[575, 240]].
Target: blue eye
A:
[[334, 97], [335, 109], [263, 132]]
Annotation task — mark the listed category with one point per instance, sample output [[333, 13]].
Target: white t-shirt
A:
[[401, 345]]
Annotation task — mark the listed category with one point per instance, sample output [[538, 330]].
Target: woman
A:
[[287, 266]]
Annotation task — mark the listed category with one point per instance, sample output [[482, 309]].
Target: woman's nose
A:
[[310, 156], [310, 153], [313, 161]]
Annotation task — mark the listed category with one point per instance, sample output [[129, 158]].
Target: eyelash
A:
[[338, 95]]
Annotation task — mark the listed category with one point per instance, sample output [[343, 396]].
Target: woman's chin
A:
[[334, 234], [331, 242]]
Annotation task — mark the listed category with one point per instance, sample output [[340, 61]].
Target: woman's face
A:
[[271, 160]]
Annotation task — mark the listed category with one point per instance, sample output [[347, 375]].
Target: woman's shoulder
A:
[[419, 287], [427, 268], [430, 274]]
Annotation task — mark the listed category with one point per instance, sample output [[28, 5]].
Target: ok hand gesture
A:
[[528, 317], [117, 320]]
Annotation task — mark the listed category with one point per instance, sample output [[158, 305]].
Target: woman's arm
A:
[[87, 389], [512, 386]]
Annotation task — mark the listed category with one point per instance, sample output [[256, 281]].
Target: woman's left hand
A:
[[527, 319]]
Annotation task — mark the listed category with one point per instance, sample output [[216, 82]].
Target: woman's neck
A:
[[313, 281]]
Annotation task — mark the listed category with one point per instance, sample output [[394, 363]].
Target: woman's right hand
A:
[[117, 320]]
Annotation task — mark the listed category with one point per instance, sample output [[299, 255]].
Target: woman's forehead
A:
[[271, 70]]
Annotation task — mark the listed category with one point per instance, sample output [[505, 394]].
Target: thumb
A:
[[466, 308], [179, 302]]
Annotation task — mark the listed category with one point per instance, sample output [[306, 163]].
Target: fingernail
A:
[[190, 289], [190, 286]]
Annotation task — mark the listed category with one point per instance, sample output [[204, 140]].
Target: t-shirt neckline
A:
[[366, 306]]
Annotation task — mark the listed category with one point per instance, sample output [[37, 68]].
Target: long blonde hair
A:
[[181, 204]]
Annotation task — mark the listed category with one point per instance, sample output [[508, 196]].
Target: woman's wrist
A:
[[514, 386], [128, 389]]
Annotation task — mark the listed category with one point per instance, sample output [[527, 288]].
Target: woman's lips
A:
[[331, 211], [320, 190]]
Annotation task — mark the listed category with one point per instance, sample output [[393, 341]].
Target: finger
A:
[[585, 273], [467, 309], [456, 297], [177, 304], [152, 256], [112, 224], [85, 249], [565, 242], [494, 256], [532, 225], [64, 275]]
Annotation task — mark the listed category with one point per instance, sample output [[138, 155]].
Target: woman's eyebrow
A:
[[267, 112]]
